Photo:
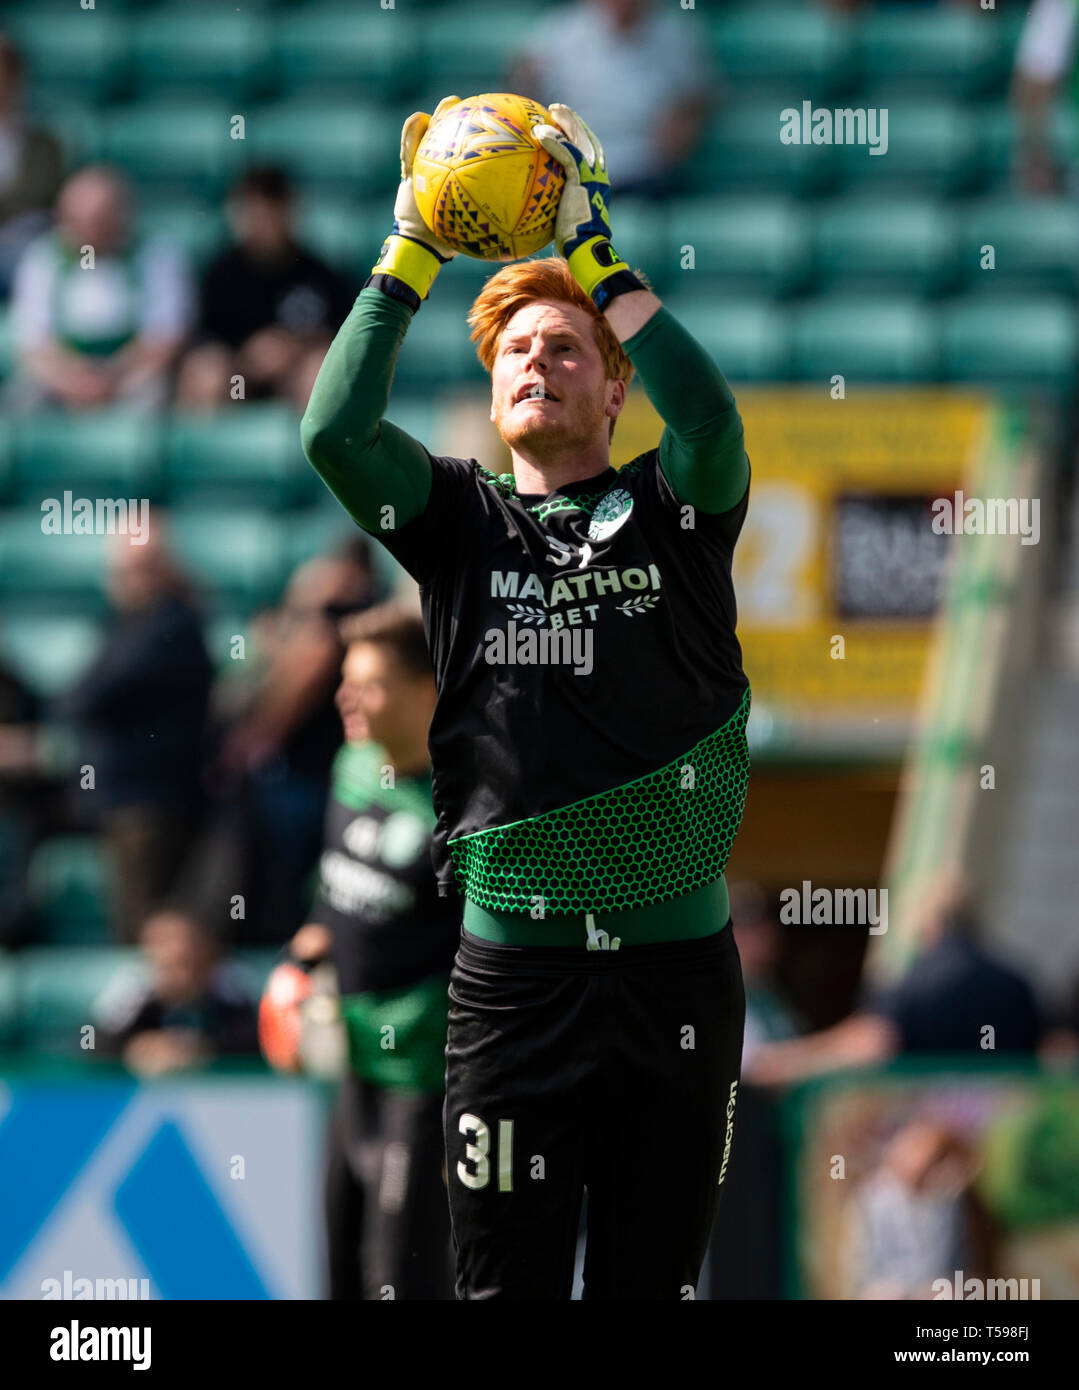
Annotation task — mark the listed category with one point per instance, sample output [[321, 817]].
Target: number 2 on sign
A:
[[478, 1149]]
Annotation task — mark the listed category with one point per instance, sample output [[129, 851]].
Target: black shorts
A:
[[612, 1070]]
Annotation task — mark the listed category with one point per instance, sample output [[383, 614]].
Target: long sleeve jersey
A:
[[588, 743]]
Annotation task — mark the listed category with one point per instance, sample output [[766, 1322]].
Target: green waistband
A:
[[700, 913]]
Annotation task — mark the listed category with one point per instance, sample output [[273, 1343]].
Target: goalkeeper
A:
[[585, 809]]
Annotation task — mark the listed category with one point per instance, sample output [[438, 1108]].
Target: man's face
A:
[[379, 698], [549, 391]]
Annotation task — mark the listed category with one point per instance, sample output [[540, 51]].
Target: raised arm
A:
[[367, 462], [701, 451]]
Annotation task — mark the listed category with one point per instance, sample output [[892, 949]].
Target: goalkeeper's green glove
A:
[[583, 223], [412, 255]]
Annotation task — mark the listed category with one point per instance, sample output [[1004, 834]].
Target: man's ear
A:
[[617, 400]]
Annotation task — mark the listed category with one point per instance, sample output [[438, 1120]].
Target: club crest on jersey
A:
[[611, 512]]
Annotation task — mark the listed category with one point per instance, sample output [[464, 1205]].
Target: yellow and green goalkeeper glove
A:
[[412, 255], [583, 223]]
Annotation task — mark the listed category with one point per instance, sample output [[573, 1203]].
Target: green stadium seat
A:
[[741, 149], [643, 238], [758, 244], [9, 1000], [185, 145], [78, 54], [803, 48], [1035, 240], [933, 148], [346, 234], [437, 349], [106, 453], [237, 558], [247, 452], [62, 570], [69, 889], [887, 243], [942, 47], [468, 50], [223, 51], [999, 132], [48, 651], [7, 471], [1007, 339], [197, 228], [749, 339], [864, 339], [60, 988], [344, 146], [369, 53]]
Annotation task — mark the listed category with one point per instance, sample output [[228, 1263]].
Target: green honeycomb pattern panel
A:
[[645, 842]]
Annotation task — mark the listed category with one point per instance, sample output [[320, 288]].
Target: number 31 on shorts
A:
[[478, 1153]]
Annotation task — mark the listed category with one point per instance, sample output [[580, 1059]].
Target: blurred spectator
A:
[[276, 758], [269, 307], [19, 780], [634, 74], [1043, 62], [140, 711], [916, 1219], [187, 1012], [30, 168], [952, 991], [98, 315], [769, 1017]]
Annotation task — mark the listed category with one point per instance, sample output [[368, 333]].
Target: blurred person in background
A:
[[769, 1017], [188, 1010], [916, 1218], [98, 315], [634, 72], [269, 307], [1044, 62], [24, 791], [139, 713], [952, 991], [392, 940], [31, 165], [275, 759]]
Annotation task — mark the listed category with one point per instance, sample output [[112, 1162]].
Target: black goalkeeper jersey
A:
[[589, 744]]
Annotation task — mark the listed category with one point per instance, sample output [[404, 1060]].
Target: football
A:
[[482, 181]]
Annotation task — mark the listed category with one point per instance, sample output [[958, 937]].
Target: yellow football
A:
[[483, 182]]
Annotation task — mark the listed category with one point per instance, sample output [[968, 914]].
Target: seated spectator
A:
[[30, 168], [952, 990], [140, 713], [97, 314], [635, 74], [769, 1017], [269, 307], [190, 1009]]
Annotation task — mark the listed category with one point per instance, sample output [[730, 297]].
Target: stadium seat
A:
[[198, 229], [799, 49], [246, 453], [184, 146], [641, 233], [7, 472], [1035, 240], [758, 245], [81, 56], [367, 54], [940, 47], [933, 148], [437, 349], [748, 339], [469, 50], [864, 339], [1011, 339], [106, 453], [59, 990], [886, 243], [9, 999], [59, 571], [344, 146], [999, 139], [69, 889], [346, 233], [224, 51], [237, 558], [48, 651], [741, 149]]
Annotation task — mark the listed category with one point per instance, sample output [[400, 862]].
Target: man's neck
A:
[[540, 476]]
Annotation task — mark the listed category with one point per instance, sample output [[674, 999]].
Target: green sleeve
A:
[[702, 449], [365, 461]]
